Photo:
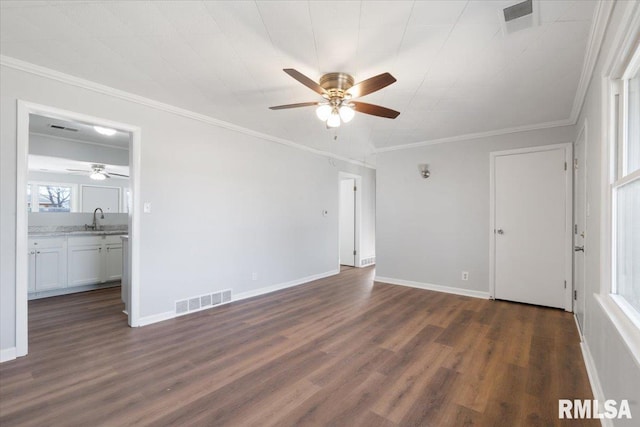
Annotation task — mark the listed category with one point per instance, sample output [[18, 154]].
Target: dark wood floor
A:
[[338, 351]]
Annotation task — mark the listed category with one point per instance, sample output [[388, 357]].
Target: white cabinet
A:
[[113, 262], [85, 264], [94, 259], [47, 264]]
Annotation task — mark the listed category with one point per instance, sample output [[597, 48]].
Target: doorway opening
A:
[[349, 220], [77, 218]]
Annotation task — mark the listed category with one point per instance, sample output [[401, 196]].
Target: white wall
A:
[[617, 371], [430, 230], [225, 204]]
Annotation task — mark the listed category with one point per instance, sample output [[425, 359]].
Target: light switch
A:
[[147, 207], [325, 212]]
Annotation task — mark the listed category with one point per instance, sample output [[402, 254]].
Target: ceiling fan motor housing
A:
[[336, 84]]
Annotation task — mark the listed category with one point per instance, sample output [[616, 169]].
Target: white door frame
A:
[[568, 238], [358, 234], [25, 108], [583, 134]]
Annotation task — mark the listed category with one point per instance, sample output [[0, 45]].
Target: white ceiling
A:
[[457, 73], [83, 132]]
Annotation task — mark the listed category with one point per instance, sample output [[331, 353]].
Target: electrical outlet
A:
[[465, 275], [254, 276]]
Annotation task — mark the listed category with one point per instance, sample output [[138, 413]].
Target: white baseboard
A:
[[432, 287], [148, 320], [7, 354], [280, 286], [155, 318], [596, 388]]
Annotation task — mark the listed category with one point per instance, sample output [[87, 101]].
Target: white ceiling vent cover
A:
[[519, 16]]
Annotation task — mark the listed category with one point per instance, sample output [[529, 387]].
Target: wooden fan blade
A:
[[305, 80], [302, 104], [118, 174], [371, 85], [375, 110]]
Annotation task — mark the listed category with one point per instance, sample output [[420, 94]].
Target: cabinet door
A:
[[113, 262], [85, 265], [32, 270], [49, 269]]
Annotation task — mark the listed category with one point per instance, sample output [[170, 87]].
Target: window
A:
[[51, 197], [625, 190]]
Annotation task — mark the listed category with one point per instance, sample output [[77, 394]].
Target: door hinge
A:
[[354, 252], [575, 295], [565, 284], [355, 188], [565, 165], [575, 228], [575, 164]]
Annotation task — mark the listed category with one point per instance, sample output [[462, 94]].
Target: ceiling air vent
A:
[[518, 10], [519, 16], [60, 127]]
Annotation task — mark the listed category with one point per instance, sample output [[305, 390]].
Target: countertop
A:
[[60, 233]]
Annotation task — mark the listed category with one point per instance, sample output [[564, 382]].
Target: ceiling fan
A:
[[98, 172], [338, 90]]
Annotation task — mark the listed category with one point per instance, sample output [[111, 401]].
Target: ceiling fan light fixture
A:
[[334, 120], [346, 113], [105, 131], [323, 112], [98, 176]]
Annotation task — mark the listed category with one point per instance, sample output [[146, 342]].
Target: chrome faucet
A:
[[94, 226]]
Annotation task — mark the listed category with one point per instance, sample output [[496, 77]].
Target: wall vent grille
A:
[[194, 304], [205, 300], [202, 302], [367, 261], [226, 296], [216, 298], [182, 306]]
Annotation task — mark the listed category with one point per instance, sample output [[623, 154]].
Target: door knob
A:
[[578, 248], [500, 231]]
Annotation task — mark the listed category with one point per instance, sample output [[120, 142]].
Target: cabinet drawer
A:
[[86, 240], [46, 242]]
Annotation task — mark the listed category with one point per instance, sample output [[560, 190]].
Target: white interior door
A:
[[579, 230], [347, 222], [530, 227]]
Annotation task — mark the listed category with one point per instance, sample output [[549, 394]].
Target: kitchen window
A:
[[51, 197]]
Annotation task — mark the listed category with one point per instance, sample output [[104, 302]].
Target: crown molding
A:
[[594, 44], [599, 25], [477, 135], [38, 70]]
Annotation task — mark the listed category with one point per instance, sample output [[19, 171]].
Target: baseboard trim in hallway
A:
[[432, 287]]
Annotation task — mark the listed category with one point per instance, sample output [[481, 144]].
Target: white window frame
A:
[[619, 173], [619, 64], [35, 195]]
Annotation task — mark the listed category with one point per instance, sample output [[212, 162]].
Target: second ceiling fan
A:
[[338, 90]]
